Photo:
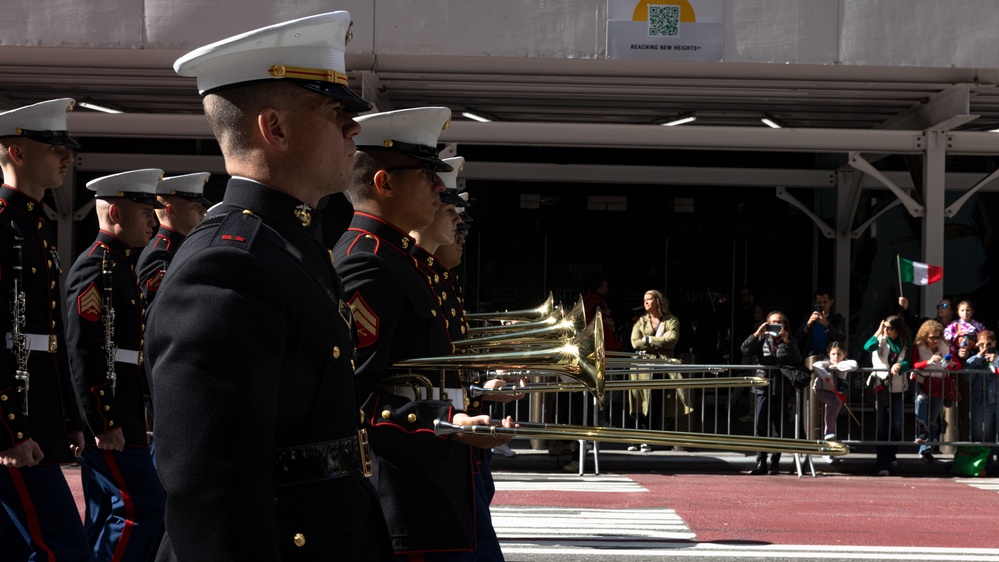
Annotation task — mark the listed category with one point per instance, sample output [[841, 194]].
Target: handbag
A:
[[797, 376]]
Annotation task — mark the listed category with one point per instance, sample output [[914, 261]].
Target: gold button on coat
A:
[[411, 418], [299, 539], [336, 352], [10, 416], [386, 414]]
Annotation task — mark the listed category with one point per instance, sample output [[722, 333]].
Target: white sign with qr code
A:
[[674, 30]]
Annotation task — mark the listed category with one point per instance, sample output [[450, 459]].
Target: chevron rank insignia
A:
[[365, 320], [153, 284], [89, 303]]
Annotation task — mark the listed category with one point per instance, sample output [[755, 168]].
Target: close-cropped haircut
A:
[[367, 162], [232, 112]]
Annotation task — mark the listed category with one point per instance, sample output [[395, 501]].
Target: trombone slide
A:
[[661, 438]]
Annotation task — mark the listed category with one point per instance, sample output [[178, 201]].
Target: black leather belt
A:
[[322, 461]]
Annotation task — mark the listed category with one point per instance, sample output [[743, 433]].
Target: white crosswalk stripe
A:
[[990, 484], [558, 524], [528, 481]]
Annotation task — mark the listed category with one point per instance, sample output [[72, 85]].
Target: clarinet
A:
[[110, 349], [19, 343]]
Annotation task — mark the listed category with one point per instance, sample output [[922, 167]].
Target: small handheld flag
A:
[[918, 273]]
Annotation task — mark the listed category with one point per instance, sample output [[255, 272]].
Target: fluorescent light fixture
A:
[[96, 107], [475, 117], [680, 120], [769, 122]]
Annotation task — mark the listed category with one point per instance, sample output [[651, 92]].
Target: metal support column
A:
[[934, 170]]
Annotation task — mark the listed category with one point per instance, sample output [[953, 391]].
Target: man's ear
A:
[[114, 213], [271, 126], [382, 185], [16, 153]]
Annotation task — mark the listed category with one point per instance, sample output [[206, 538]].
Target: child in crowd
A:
[[830, 384], [889, 349], [963, 325], [985, 395], [931, 357]]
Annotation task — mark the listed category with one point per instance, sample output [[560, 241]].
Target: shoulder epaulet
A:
[[236, 229]]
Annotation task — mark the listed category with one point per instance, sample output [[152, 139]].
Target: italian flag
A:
[[918, 273]]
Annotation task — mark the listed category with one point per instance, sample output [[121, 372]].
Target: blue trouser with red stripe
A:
[[40, 521], [125, 501]]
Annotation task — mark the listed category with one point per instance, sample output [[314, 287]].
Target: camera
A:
[[773, 329], [991, 350], [818, 308]]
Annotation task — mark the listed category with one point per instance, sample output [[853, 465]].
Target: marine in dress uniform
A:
[[184, 205], [425, 482], [430, 241], [40, 426], [250, 340], [124, 516]]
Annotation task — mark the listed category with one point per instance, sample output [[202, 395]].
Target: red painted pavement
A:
[[829, 510]]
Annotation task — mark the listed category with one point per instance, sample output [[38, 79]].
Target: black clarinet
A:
[[19, 342], [107, 317]]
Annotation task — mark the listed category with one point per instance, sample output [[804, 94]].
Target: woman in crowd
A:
[[889, 348], [829, 385], [773, 345], [655, 333], [931, 357]]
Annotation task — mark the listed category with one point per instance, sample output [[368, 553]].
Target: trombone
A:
[[661, 438], [577, 315], [543, 331], [623, 385], [529, 314], [580, 358]]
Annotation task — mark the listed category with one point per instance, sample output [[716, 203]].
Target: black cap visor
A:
[[419, 152], [137, 196], [352, 103], [58, 138]]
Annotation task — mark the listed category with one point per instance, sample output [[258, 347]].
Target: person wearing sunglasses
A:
[[931, 359]]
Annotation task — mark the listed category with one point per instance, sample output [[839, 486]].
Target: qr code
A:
[[664, 21]]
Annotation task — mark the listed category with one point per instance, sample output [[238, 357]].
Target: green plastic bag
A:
[[969, 460]]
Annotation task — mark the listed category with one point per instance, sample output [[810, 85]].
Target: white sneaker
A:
[[632, 447], [830, 437], [573, 466], [830, 459], [646, 448], [884, 473], [504, 450]]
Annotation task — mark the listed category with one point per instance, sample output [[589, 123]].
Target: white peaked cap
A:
[[413, 132], [188, 186], [308, 50], [450, 179], [43, 122], [137, 185]]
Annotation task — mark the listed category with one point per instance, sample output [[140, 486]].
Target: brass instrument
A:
[[529, 314], [19, 343], [662, 438], [625, 385], [580, 359], [107, 317], [577, 316]]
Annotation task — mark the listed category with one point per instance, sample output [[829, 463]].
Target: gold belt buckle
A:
[[362, 440]]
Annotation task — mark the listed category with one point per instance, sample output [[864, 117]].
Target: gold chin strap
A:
[[301, 73]]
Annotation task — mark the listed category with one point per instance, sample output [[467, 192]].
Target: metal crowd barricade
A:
[[725, 411]]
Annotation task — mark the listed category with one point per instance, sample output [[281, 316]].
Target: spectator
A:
[[964, 325], [985, 395], [889, 348], [773, 344], [945, 312], [596, 296], [930, 356], [821, 327], [830, 384], [655, 334]]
